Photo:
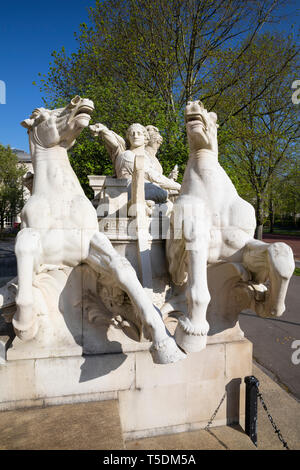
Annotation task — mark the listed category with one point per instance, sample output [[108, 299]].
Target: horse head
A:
[[201, 127], [59, 127]]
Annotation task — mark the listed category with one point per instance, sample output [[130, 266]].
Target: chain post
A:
[[251, 408]]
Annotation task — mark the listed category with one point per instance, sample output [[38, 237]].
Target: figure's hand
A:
[[177, 186], [96, 129], [149, 207], [174, 173]]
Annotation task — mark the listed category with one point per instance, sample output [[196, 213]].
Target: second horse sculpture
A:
[[210, 224]]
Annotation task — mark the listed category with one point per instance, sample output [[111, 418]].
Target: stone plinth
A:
[[153, 399]]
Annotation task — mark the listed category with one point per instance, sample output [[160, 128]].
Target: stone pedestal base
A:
[[153, 399]]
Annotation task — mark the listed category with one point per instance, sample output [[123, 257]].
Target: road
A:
[[272, 340], [8, 264], [292, 241]]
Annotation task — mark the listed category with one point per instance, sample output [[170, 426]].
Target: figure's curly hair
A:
[[154, 134]]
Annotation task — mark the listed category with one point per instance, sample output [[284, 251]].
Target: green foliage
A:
[[11, 191], [285, 192]]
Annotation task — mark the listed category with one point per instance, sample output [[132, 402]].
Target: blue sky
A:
[[29, 32]]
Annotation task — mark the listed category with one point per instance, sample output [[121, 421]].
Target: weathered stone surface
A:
[[4, 343], [83, 375], [208, 364], [17, 381]]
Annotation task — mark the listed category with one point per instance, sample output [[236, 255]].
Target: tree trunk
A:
[[259, 218], [271, 215], [259, 232]]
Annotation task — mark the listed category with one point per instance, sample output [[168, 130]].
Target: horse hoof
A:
[[166, 352], [25, 333], [190, 338]]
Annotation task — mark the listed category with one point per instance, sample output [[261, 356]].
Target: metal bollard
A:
[[251, 408]]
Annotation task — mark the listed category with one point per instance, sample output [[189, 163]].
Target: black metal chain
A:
[[276, 429], [259, 395], [215, 413]]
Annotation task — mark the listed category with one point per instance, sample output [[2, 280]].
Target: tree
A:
[[167, 48], [11, 189], [284, 197], [262, 138]]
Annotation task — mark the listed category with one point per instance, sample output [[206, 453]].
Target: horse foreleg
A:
[[274, 263], [104, 258], [191, 333], [27, 251]]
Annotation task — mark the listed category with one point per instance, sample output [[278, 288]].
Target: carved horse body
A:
[[211, 223], [60, 227]]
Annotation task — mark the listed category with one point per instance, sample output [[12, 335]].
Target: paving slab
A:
[[84, 426], [285, 411]]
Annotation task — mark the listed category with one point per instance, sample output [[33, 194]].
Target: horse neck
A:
[[205, 158], [199, 161], [43, 159], [40, 153]]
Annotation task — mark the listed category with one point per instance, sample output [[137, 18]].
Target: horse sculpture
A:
[[60, 227], [210, 224]]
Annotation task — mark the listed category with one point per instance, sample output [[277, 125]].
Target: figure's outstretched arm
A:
[[114, 143]]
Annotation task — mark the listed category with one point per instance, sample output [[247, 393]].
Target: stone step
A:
[[84, 426]]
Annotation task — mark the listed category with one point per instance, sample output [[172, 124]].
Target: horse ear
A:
[[27, 123], [214, 118]]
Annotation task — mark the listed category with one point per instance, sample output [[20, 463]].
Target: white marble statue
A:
[[123, 160], [152, 147], [211, 224], [60, 228]]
